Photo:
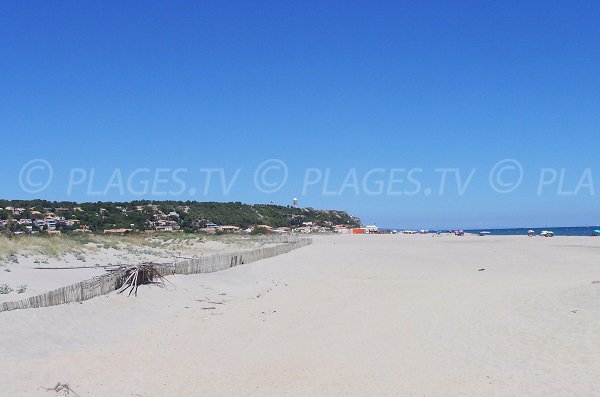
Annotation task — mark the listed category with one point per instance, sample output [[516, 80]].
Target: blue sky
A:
[[342, 86]]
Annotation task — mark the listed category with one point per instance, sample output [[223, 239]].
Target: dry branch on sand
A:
[[145, 273], [63, 388]]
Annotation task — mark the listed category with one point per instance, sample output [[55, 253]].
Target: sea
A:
[[522, 231], [558, 231]]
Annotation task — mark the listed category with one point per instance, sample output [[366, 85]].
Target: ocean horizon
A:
[[558, 231]]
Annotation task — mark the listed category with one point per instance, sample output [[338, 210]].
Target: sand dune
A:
[[89, 260], [349, 315]]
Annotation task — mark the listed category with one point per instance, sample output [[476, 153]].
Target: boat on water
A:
[[547, 233]]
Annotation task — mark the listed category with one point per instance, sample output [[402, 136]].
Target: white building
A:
[[371, 229], [51, 224]]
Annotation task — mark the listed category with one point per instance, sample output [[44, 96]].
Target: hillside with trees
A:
[[189, 216]]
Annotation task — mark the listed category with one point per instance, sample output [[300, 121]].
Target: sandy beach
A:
[[348, 315]]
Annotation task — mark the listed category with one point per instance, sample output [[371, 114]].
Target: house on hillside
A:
[[229, 229], [118, 232], [50, 224], [304, 229]]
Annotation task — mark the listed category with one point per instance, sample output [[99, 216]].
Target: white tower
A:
[[295, 202]]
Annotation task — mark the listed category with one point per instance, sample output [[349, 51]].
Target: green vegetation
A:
[[7, 289], [189, 216]]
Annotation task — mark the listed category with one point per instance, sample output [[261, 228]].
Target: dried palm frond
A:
[[145, 273]]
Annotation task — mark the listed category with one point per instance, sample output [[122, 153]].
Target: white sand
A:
[[349, 315]]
